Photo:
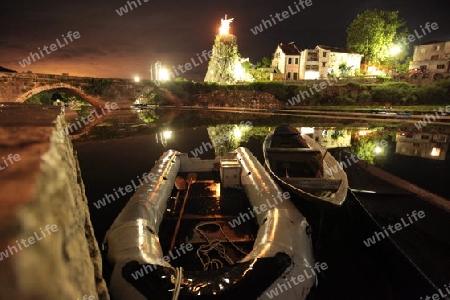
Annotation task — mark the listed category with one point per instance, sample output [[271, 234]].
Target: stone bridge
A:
[[18, 87]]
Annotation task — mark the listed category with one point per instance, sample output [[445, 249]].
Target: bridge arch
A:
[[62, 88]]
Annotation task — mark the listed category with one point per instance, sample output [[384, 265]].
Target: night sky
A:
[[174, 31]]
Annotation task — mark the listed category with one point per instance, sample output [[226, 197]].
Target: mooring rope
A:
[[177, 281], [217, 245]]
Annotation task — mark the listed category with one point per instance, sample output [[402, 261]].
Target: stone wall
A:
[[238, 98], [47, 244], [17, 87]]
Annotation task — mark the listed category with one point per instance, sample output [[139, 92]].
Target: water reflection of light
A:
[[237, 133], [378, 149], [362, 132], [163, 136], [167, 134], [307, 130], [436, 151]]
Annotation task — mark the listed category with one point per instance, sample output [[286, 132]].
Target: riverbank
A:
[[319, 93]]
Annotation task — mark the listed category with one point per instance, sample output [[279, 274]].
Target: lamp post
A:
[[394, 51]]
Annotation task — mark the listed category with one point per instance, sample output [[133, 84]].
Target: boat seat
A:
[[292, 150], [313, 184]]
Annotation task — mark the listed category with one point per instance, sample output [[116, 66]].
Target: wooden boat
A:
[[197, 203], [304, 167]]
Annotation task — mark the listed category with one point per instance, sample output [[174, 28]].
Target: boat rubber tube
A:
[[244, 280]]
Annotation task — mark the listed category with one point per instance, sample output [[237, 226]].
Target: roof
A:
[[432, 42], [289, 49], [335, 49]]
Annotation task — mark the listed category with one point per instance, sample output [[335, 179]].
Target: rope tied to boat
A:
[[216, 244], [177, 281]]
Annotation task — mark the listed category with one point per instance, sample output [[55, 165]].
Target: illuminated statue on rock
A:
[[225, 25], [225, 66]]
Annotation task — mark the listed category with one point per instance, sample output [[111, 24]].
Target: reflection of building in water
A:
[[428, 145], [329, 137]]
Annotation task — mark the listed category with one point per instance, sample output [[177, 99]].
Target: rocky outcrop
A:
[[47, 244], [225, 55]]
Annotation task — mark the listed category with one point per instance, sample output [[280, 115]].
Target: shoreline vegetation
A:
[[279, 95]]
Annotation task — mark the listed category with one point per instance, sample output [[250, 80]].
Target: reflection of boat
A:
[[276, 238], [303, 166]]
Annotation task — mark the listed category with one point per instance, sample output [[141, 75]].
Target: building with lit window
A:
[[286, 60], [317, 63], [324, 61], [431, 57]]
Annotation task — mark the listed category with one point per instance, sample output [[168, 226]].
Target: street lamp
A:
[[395, 49]]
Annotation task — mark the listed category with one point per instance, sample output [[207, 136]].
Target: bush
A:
[[393, 92], [364, 97], [278, 89], [352, 84], [435, 93]]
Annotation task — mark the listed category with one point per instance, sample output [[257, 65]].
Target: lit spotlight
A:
[[164, 75], [394, 50]]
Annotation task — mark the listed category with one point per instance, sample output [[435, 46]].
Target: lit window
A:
[[436, 151]]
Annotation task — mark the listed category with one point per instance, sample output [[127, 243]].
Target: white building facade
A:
[[310, 64], [286, 60], [431, 57]]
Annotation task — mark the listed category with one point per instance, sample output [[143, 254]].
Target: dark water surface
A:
[[125, 145]]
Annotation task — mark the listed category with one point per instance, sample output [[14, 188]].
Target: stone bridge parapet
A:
[[18, 87]]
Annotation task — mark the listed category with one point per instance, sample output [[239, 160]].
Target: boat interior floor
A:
[[215, 220]]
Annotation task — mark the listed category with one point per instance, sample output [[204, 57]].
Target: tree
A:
[[373, 33], [344, 70], [266, 62]]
